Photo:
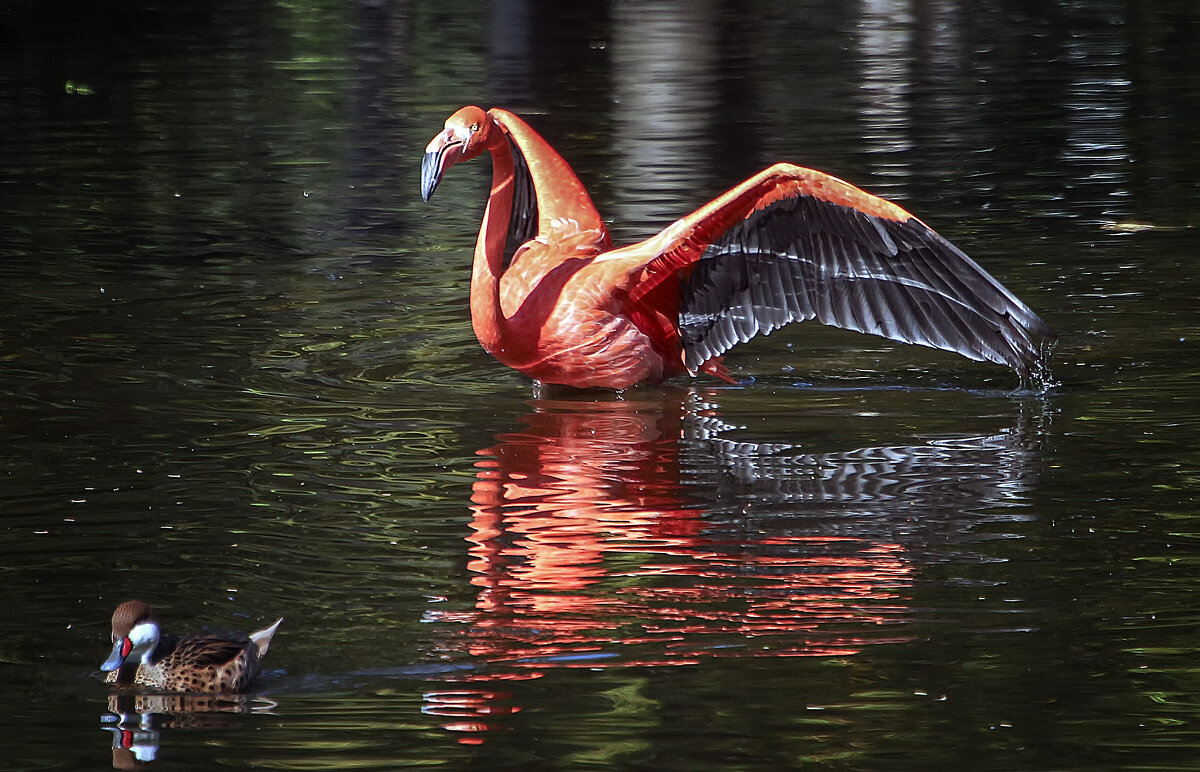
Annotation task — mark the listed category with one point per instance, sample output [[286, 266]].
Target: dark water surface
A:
[[239, 381]]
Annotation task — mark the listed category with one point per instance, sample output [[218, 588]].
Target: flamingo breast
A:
[[572, 327]]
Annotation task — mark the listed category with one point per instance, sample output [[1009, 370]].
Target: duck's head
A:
[[467, 133], [134, 633]]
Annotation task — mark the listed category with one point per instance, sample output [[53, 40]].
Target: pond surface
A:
[[240, 382]]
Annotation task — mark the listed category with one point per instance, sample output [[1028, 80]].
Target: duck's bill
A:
[[120, 651]]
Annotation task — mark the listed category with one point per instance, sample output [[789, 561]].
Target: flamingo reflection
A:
[[590, 547]]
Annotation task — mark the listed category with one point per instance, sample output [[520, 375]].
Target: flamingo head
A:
[[466, 135]]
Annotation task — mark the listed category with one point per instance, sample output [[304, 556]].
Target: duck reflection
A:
[[642, 531], [136, 720]]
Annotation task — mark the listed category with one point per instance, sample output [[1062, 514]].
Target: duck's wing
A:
[[209, 649]]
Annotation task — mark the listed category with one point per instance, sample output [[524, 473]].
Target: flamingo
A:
[[551, 297]]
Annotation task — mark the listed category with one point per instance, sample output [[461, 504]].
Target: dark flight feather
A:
[[523, 221], [805, 258]]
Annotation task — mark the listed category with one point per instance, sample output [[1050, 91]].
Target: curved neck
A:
[[486, 314]]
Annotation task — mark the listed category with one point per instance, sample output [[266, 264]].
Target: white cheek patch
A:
[[144, 638]]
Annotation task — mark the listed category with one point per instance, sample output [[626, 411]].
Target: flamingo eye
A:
[[474, 127]]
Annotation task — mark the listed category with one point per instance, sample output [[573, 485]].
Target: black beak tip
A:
[[431, 174]]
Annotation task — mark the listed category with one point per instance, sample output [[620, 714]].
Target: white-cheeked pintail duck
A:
[[181, 663]]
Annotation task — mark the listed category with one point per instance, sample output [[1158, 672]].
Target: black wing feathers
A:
[[523, 221], [805, 258]]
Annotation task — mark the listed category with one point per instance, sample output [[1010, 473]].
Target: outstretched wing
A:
[[792, 244]]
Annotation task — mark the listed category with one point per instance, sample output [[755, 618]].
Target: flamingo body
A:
[[551, 298]]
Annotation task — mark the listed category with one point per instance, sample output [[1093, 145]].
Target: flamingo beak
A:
[[443, 152], [431, 174]]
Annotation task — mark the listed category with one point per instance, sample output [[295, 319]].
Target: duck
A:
[[208, 662]]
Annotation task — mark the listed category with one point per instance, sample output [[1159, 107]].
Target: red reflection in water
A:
[[588, 551], [470, 712]]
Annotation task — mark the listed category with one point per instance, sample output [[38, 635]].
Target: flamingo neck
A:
[[486, 315]]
